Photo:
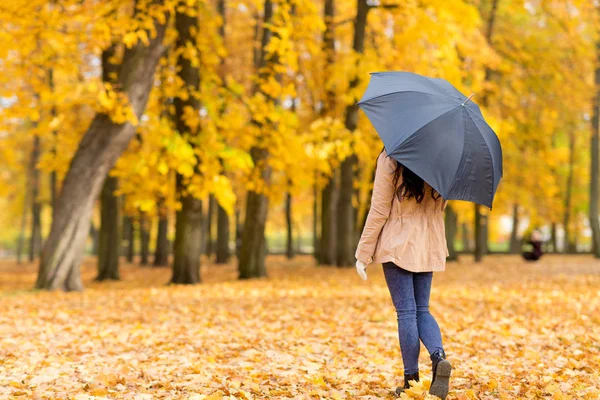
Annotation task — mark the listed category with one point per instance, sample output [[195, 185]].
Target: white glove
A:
[[361, 270]]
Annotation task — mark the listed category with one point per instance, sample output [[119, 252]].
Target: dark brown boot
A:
[[407, 379], [441, 370]]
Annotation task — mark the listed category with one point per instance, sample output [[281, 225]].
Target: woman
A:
[[404, 231]]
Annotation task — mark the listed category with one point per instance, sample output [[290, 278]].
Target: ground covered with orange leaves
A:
[[512, 330]]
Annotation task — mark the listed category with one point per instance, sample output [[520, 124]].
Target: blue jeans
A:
[[410, 294]]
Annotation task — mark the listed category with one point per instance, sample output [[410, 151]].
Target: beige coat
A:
[[407, 233]]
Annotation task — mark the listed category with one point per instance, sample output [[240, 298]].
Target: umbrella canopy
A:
[[430, 127]]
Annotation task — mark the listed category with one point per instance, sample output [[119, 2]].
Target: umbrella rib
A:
[[397, 92], [489, 152]]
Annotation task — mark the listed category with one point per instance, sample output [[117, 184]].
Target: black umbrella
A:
[[430, 127]]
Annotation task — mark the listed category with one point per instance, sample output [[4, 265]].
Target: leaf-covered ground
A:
[[512, 330]]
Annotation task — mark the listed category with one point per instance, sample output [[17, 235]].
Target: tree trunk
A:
[[35, 240], [466, 239], [595, 162], [161, 252], [188, 239], [479, 234], [53, 177], [253, 248], [188, 223], [223, 252], [129, 238], [553, 238], [21, 240], [515, 240], [329, 201], [94, 236], [568, 193], [99, 149], [451, 231], [346, 217], [109, 240], [315, 221], [145, 226], [239, 233], [210, 244], [289, 223]]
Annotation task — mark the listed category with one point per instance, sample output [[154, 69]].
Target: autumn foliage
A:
[[512, 330]]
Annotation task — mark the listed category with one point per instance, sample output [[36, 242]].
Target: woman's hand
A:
[[361, 270]]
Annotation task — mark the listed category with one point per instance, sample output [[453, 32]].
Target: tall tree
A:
[[188, 222], [346, 214], [481, 219], [253, 247], [330, 194], [100, 147], [109, 243], [222, 244], [595, 160]]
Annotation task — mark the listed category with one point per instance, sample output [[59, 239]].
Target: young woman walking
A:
[[404, 231]]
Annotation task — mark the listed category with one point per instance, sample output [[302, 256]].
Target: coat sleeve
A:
[[381, 204]]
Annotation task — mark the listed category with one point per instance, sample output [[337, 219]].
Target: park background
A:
[[207, 142]]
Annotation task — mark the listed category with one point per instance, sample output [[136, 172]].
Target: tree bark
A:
[[99, 149], [467, 248], [210, 244], [223, 252], [568, 193], [109, 238], [515, 241], [253, 248], [479, 232], [21, 240], [188, 223], [346, 217], [35, 240], [329, 202], [289, 223], [239, 233], [53, 176], [553, 238], [145, 227], [94, 236], [161, 252], [129, 238], [595, 162], [451, 231], [315, 221]]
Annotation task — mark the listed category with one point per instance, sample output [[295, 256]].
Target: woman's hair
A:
[[412, 186]]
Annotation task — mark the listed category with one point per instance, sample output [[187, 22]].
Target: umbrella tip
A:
[[467, 100]]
